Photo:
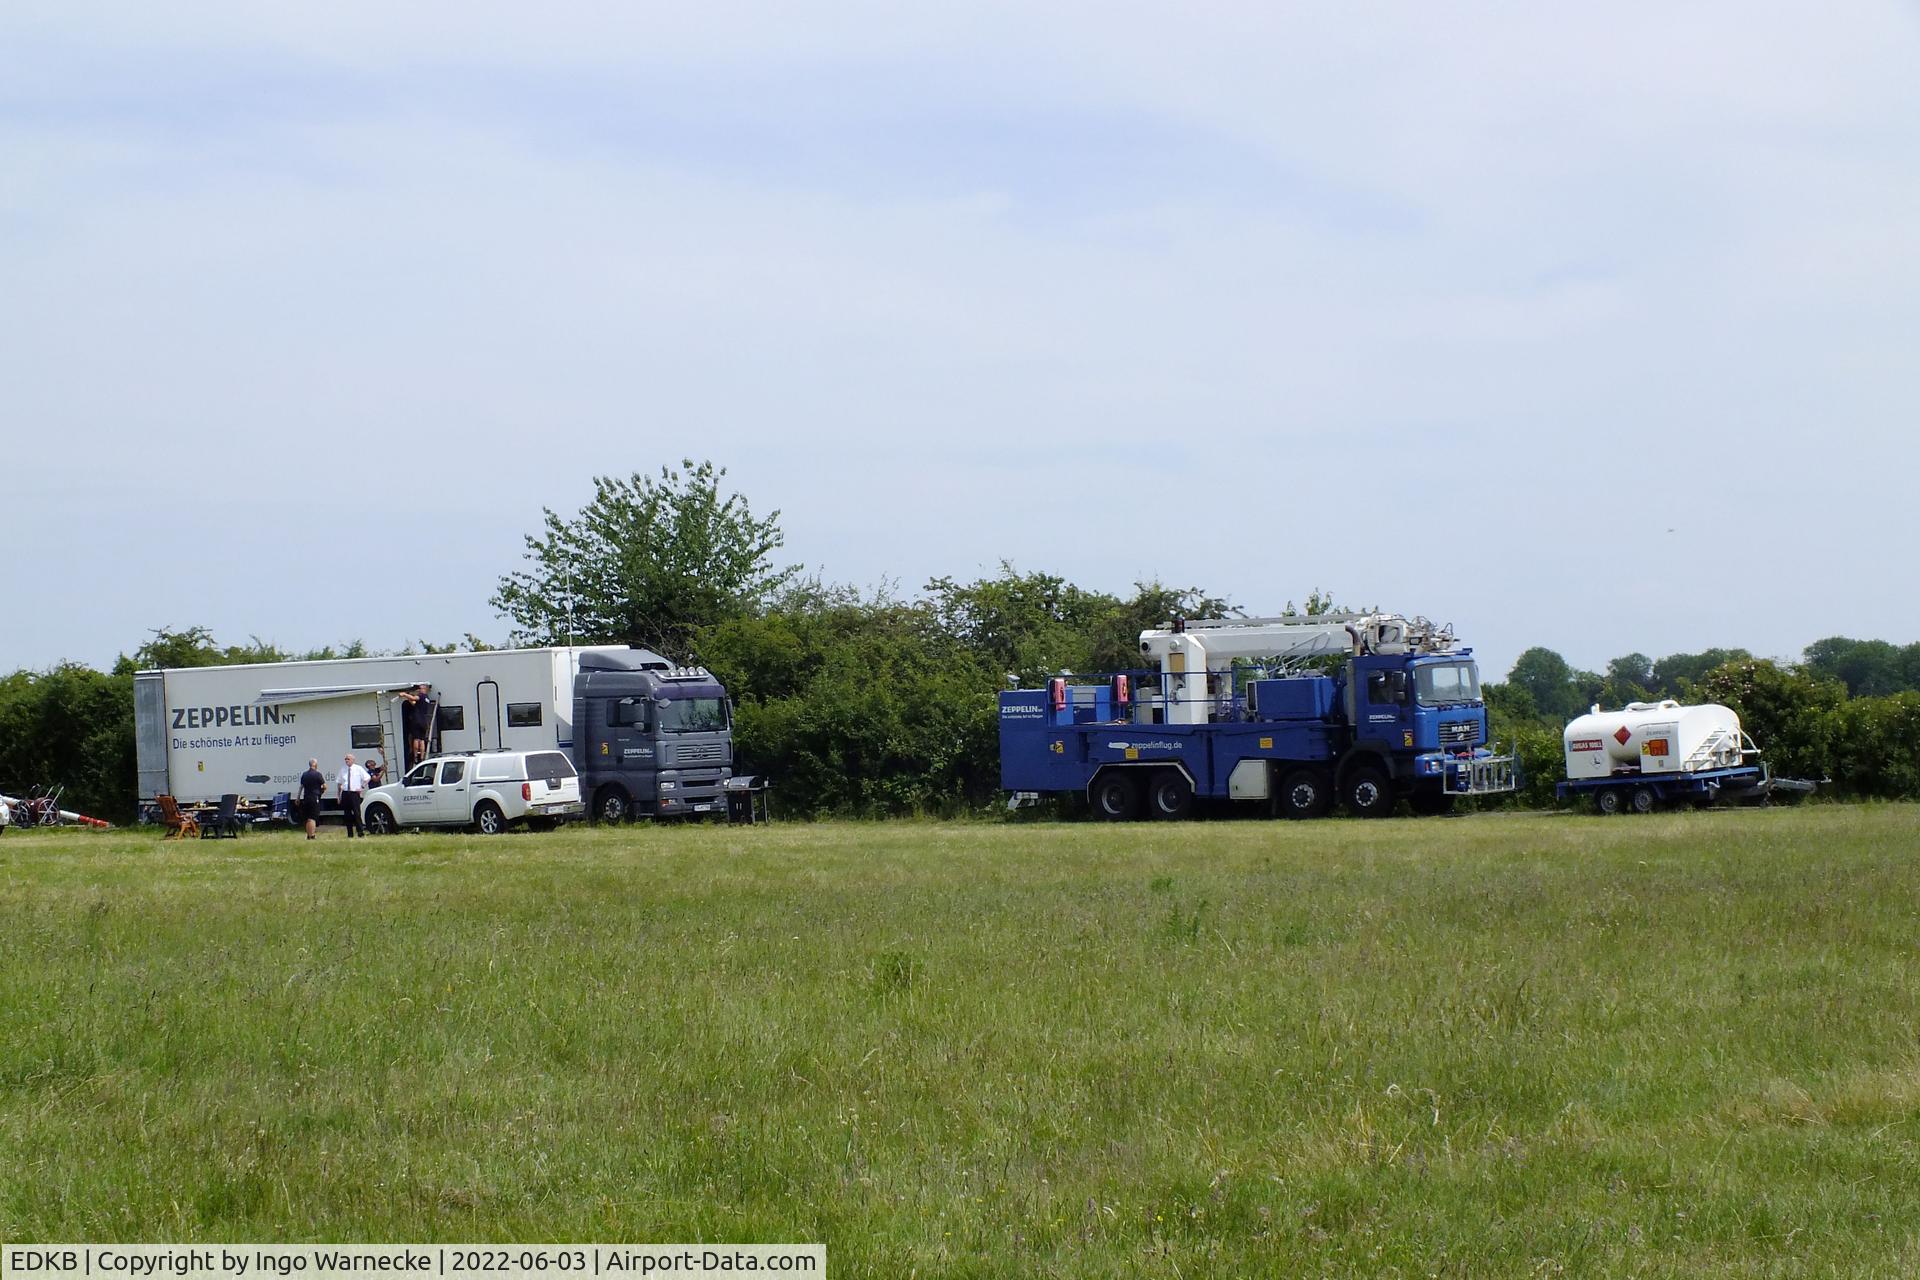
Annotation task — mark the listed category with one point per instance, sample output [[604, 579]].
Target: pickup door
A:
[[418, 805], [450, 802]]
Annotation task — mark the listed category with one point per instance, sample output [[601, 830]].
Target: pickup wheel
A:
[[378, 820], [1643, 800], [612, 806], [1368, 793], [1169, 794], [1116, 797], [488, 819], [1607, 801], [1305, 793]]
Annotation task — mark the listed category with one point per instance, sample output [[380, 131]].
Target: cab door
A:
[[418, 804], [1386, 706], [452, 796]]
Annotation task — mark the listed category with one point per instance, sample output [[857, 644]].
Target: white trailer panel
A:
[[202, 732]]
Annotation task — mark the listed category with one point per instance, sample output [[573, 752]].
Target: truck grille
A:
[[1459, 733], [699, 753]]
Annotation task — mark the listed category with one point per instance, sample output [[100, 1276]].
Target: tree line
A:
[[874, 701]]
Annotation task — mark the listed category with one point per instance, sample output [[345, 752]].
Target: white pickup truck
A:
[[486, 792]]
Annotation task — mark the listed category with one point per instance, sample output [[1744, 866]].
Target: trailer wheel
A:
[[1643, 800], [1170, 794], [1116, 797], [488, 819], [1305, 793], [378, 820], [1606, 801], [611, 806], [1369, 795]]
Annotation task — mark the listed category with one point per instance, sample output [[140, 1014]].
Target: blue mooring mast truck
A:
[[1400, 716]]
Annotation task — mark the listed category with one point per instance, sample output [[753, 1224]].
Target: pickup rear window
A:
[[518, 768], [549, 764]]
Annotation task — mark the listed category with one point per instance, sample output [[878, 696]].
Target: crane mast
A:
[[1188, 651]]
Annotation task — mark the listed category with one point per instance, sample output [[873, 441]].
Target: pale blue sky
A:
[[1455, 311]]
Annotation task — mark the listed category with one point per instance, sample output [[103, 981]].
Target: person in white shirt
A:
[[350, 782]]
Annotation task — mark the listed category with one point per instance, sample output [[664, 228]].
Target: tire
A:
[[1608, 801], [1432, 802], [1643, 800], [1305, 793], [378, 820], [612, 806], [1368, 793], [1169, 794], [1115, 796], [487, 818]]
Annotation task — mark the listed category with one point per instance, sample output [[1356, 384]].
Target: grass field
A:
[[1497, 1045]]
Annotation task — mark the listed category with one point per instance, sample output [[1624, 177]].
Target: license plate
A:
[[702, 808]]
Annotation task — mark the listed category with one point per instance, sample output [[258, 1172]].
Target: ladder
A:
[[1719, 749]]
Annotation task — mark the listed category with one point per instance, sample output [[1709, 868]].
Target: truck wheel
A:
[[488, 819], [1368, 794], [1116, 797], [1607, 801], [1170, 794], [378, 820], [1305, 793], [1643, 800], [1432, 802], [612, 806]]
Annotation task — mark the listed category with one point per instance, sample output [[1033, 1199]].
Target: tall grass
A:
[[1535, 1045]]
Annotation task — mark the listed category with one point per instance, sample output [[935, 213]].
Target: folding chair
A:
[[225, 822], [178, 824]]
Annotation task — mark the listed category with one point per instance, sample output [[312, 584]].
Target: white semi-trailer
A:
[[645, 735]]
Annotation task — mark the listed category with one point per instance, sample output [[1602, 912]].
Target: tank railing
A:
[[1480, 776], [1713, 750]]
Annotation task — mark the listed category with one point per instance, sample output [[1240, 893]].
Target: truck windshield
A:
[[1438, 685], [693, 715]]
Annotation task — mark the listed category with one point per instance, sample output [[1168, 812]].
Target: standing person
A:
[[417, 717], [351, 781], [312, 783]]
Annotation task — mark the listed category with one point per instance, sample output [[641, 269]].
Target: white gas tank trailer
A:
[[1654, 738]]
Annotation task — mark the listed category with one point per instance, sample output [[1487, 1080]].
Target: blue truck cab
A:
[[1399, 717]]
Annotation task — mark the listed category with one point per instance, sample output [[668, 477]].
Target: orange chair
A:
[[178, 824]]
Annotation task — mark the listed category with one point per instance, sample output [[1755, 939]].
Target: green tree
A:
[[194, 647], [1869, 668], [1791, 715], [1629, 679], [70, 727], [1675, 675], [1549, 681], [649, 561]]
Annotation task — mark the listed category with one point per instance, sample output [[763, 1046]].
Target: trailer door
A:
[[486, 715]]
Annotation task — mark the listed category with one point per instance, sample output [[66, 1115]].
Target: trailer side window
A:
[[366, 737], [452, 718], [523, 715]]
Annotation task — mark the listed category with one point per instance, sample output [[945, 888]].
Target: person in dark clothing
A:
[[417, 718], [312, 783]]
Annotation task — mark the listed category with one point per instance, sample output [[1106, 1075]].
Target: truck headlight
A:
[[666, 786]]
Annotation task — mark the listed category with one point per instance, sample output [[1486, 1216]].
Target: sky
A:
[[1591, 327]]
